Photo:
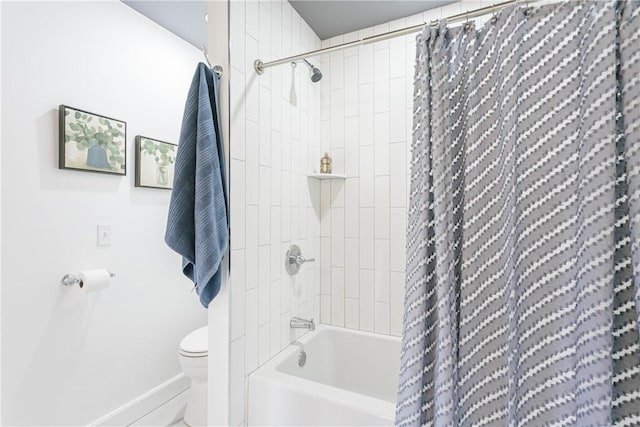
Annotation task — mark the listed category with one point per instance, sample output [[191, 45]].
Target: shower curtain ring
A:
[[528, 10], [467, 24], [494, 16]]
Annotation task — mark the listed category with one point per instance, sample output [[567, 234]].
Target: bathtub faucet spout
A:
[[299, 323]]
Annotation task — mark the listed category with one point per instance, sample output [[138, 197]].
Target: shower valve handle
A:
[[294, 259], [299, 259]]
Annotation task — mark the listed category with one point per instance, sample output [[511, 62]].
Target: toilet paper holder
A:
[[71, 279]]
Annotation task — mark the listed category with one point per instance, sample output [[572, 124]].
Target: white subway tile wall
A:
[[281, 124], [366, 126], [367, 113], [275, 141]]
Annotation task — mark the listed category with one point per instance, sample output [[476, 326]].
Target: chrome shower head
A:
[[316, 74]]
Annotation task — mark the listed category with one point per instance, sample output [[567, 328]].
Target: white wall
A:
[[366, 121], [220, 307], [0, 224], [67, 357], [274, 145]]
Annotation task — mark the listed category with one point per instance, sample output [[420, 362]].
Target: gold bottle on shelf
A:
[[325, 164]]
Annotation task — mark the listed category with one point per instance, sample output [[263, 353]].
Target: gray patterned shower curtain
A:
[[523, 266]]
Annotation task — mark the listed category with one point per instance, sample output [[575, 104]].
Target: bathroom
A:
[[308, 337]]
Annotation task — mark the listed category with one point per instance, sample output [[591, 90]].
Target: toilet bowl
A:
[[193, 358]]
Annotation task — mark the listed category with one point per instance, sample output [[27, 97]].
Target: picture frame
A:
[[155, 160], [91, 142]]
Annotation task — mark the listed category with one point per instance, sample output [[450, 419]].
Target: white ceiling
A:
[[327, 18], [184, 18]]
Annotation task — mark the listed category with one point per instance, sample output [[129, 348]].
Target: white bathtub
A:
[[350, 379]]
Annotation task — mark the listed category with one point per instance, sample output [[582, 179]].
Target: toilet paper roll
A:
[[94, 280]]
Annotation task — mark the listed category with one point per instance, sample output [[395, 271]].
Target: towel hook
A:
[[215, 68], [206, 55]]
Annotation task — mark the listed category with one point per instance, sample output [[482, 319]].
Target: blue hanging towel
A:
[[198, 226]]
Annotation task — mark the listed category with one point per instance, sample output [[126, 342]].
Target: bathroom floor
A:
[[168, 414]]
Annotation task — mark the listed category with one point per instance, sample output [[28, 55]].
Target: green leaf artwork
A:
[[154, 163], [164, 154], [102, 138]]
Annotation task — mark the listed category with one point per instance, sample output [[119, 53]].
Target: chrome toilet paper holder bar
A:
[[71, 279]]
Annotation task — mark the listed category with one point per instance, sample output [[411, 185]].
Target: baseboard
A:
[[139, 407]]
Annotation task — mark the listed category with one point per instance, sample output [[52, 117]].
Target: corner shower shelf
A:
[[327, 176]]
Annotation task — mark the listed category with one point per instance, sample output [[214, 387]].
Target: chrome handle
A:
[[299, 259], [294, 259]]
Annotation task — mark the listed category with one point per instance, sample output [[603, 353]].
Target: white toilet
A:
[[194, 356]]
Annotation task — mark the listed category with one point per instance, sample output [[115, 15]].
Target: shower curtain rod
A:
[[260, 66]]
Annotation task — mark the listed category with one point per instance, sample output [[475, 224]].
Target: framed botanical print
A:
[[154, 162], [92, 142]]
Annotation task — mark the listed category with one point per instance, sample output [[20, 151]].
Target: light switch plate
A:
[[104, 234]]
